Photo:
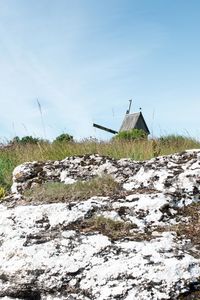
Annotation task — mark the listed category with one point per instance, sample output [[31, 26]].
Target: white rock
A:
[[47, 249]]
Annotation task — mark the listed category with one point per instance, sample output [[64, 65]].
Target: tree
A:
[[28, 139]]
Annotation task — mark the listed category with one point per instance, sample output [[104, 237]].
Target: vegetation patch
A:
[[192, 228], [189, 228], [130, 135], [21, 150], [7, 165], [52, 192], [63, 138], [106, 226], [113, 229]]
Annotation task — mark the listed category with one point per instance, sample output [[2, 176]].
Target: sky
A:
[[82, 60]]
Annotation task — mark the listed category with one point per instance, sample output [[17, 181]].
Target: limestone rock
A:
[[46, 253]]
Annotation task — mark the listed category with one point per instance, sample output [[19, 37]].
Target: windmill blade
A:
[[105, 128]]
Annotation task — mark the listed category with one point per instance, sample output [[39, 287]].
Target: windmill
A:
[[131, 121]]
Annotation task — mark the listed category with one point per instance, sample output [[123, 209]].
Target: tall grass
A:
[[136, 150], [8, 160]]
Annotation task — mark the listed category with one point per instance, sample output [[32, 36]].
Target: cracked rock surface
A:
[[46, 253]]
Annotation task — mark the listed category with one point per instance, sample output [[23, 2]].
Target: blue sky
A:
[[84, 59]]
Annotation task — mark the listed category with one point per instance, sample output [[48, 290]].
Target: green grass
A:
[[52, 192], [12, 156], [8, 161]]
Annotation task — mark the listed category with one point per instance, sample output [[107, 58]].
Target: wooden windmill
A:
[[131, 121]]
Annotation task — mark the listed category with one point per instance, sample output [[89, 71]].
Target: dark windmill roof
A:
[[134, 121]]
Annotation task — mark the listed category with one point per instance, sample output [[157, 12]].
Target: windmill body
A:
[[131, 121]]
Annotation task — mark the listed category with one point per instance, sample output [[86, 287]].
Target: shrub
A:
[[133, 134], [64, 137], [29, 140], [15, 140]]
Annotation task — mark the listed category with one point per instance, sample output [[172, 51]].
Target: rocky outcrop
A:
[[47, 252], [177, 173]]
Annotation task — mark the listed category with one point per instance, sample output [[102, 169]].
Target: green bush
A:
[[27, 140], [64, 137], [133, 134]]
